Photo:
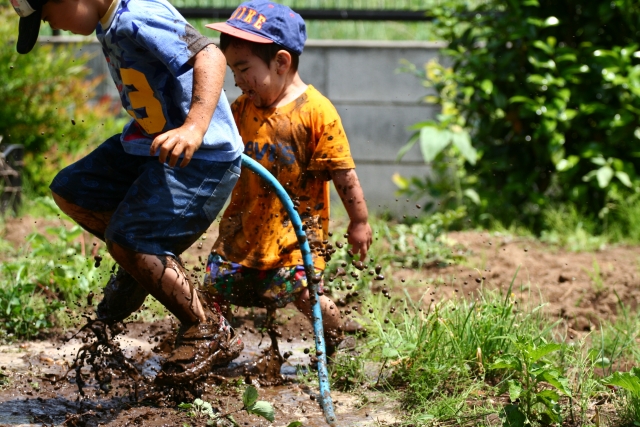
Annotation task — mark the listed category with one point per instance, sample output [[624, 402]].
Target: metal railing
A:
[[203, 12]]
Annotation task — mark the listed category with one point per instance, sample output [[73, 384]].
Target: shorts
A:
[[229, 282], [157, 209]]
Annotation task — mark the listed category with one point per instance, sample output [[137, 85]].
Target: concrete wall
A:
[[376, 102]]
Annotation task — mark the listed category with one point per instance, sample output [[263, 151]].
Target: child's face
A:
[[77, 16], [260, 82]]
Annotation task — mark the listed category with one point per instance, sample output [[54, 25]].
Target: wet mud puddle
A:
[[31, 396]]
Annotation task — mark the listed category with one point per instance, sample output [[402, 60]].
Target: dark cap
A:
[[30, 12], [263, 21]]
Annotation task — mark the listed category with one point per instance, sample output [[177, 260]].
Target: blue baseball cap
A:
[[262, 21]]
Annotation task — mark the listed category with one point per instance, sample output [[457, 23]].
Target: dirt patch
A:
[[582, 288], [32, 396]]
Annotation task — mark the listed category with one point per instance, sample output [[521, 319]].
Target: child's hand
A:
[[360, 238], [208, 75], [175, 143]]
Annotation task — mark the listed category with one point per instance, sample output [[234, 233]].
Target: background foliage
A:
[[42, 93], [549, 93]]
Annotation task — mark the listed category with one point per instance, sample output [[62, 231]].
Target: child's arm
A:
[[348, 186], [208, 76]]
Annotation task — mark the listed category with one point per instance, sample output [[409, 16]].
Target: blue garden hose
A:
[[323, 376]]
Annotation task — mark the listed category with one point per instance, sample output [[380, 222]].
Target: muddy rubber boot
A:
[[199, 348], [122, 296]]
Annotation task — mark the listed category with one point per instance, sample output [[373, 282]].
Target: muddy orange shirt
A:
[[299, 143]]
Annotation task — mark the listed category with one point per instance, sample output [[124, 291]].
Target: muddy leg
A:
[[273, 334], [330, 314], [165, 279], [94, 222]]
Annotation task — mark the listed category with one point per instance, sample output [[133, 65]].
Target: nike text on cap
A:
[[262, 21]]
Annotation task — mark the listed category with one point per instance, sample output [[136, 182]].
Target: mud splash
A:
[[103, 356], [268, 367], [29, 397]]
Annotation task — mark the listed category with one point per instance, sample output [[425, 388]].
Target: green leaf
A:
[[512, 416], [626, 380], [540, 352], [408, 146], [389, 353], [567, 57], [400, 181], [604, 176], [549, 395], [185, 406], [520, 98], [515, 389], [432, 142], [537, 79], [624, 178], [535, 22], [602, 362], [263, 409], [487, 86], [562, 384], [250, 396], [462, 141], [551, 21], [473, 195], [295, 424], [504, 364], [543, 47], [420, 125]]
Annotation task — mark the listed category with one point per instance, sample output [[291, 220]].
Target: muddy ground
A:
[[580, 288]]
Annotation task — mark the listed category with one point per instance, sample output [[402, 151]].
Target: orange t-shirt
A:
[[299, 143]]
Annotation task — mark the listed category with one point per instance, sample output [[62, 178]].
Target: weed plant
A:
[[396, 245], [579, 360], [616, 342], [48, 274], [468, 361]]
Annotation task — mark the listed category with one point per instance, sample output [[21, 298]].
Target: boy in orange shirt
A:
[[296, 133]]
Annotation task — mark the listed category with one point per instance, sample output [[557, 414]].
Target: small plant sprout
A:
[[257, 407], [198, 409], [534, 384], [203, 410], [630, 383], [596, 278]]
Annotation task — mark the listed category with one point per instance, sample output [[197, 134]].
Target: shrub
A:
[[50, 273], [549, 92], [46, 105]]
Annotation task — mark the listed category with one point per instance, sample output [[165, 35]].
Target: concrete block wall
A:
[[376, 102]]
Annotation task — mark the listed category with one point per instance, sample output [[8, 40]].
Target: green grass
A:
[[455, 362], [445, 362], [578, 230], [46, 282]]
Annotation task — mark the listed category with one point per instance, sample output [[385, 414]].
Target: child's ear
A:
[[283, 61]]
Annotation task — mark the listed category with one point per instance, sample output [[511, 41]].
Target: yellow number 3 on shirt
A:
[[141, 98]]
